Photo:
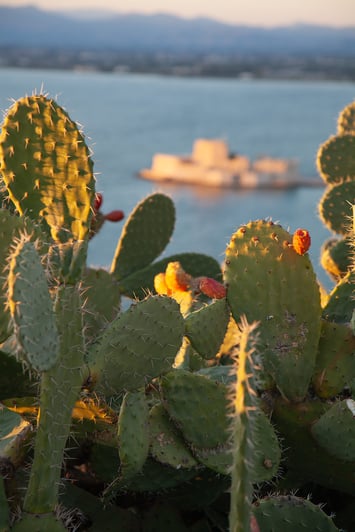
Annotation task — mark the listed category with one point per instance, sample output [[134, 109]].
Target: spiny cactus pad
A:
[[336, 256], [11, 226], [33, 317], [198, 406], [336, 158], [340, 305], [273, 285], [133, 433], [335, 430], [145, 235], [335, 207], [206, 328], [346, 120], [46, 166], [166, 444], [137, 346], [335, 364], [291, 514]]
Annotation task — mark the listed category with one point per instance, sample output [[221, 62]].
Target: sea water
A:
[[127, 118]]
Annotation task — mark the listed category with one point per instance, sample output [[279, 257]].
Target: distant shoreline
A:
[[294, 68]]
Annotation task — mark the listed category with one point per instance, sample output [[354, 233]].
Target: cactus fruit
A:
[[301, 241], [46, 167], [272, 284], [197, 264]]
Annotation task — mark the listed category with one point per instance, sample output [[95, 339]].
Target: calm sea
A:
[[127, 118]]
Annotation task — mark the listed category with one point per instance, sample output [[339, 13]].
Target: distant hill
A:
[[29, 26]]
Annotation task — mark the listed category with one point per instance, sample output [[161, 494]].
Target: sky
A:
[[252, 12]]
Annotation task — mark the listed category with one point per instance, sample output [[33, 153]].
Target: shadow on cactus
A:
[[210, 400]]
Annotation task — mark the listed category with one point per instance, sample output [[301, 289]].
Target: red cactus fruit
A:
[[301, 241], [114, 216], [98, 201], [211, 288]]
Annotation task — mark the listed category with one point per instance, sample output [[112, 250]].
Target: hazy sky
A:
[[256, 12]]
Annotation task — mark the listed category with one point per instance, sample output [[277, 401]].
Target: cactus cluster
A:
[[211, 399]]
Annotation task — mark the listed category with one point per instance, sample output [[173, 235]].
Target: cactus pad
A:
[[145, 235], [346, 120], [206, 328], [335, 430], [335, 364], [133, 434], [335, 207], [336, 159], [33, 318], [291, 514], [137, 346], [166, 444], [46, 167], [273, 285], [198, 406]]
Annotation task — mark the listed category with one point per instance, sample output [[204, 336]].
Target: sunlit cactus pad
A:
[[46, 166]]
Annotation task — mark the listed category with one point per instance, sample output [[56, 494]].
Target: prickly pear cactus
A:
[[275, 286], [34, 324], [46, 167]]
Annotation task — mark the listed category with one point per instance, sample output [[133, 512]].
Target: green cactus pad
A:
[[33, 317], [223, 374], [133, 433], [335, 430], [346, 120], [273, 285], [103, 299], [145, 235], [340, 305], [336, 159], [66, 261], [336, 256], [335, 207], [198, 406], [137, 346], [195, 264], [166, 444], [335, 364], [46, 167], [291, 514], [206, 328], [60, 386]]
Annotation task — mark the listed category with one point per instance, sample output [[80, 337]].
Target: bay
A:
[[127, 118]]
